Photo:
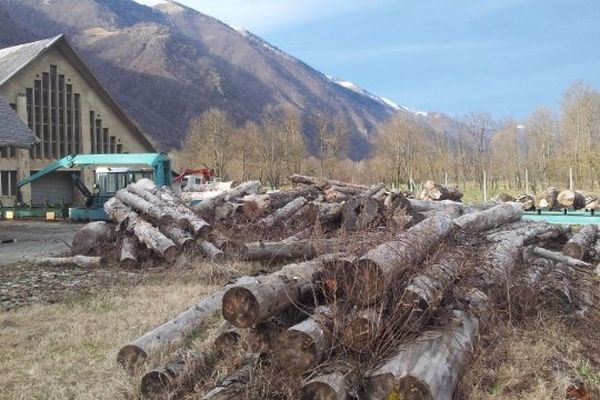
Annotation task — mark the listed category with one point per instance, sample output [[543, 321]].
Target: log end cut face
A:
[[365, 283], [358, 334], [156, 384], [296, 351], [574, 250], [386, 387], [240, 307], [131, 357], [318, 391]]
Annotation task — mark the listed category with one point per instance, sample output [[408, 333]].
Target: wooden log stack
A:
[[396, 318]]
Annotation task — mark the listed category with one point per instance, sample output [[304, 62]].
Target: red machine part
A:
[[207, 174]]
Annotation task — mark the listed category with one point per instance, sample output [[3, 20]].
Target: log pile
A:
[[394, 318]]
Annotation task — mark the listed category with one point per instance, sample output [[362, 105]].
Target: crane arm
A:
[[66, 162]]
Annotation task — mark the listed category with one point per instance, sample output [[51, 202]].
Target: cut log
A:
[[325, 387], [437, 192], [180, 219], [428, 367], [527, 202], [362, 213], [333, 196], [283, 197], [490, 218], [260, 338], [425, 291], [78, 260], [335, 273], [255, 299], [211, 251], [140, 205], [207, 207], [582, 242], [298, 179], [255, 205], [380, 195], [372, 274], [181, 238], [289, 249], [547, 200], [134, 354], [373, 190], [562, 258], [330, 214], [231, 248], [424, 205], [129, 253], [143, 230], [196, 224], [88, 240], [304, 345], [159, 383], [571, 199], [362, 328], [504, 198], [283, 213], [232, 387]]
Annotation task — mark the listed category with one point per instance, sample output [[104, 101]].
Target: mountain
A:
[[169, 63]]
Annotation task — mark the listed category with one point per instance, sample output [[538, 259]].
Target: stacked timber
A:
[[398, 319]]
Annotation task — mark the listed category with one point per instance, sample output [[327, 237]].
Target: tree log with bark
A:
[[436, 192], [78, 260], [428, 367], [362, 213], [304, 345], [88, 240], [374, 272], [582, 242], [283, 213], [490, 218], [143, 230], [142, 206], [129, 253], [134, 354], [571, 199], [289, 249], [325, 387], [547, 199]]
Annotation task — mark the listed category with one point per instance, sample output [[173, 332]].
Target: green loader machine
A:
[[112, 173]]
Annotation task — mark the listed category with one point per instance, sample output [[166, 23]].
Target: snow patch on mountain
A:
[[357, 89]]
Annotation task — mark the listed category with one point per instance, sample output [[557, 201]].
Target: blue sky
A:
[[454, 56]]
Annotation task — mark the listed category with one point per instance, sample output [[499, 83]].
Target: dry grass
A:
[[539, 360], [67, 350]]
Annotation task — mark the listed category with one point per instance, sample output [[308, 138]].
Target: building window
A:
[[54, 115], [8, 183]]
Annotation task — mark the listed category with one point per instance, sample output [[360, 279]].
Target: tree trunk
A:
[[335, 273], [179, 218], [490, 218], [562, 258], [129, 253], [289, 250], [143, 230], [255, 299], [79, 261], [283, 197], [232, 387], [330, 214], [304, 345], [211, 251], [571, 199], [142, 206], [255, 205], [207, 207], [133, 355], [373, 190], [424, 205], [362, 213], [425, 291], [333, 196], [582, 242], [376, 270], [547, 199], [196, 224], [429, 367], [283, 213], [325, 387], [88, 240], [231, 248], [362, 328]]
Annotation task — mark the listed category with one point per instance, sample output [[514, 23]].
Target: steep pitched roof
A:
[[13, 131], [14, 59]]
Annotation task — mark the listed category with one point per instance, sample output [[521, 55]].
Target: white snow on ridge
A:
[[415, 111], [390, 103]]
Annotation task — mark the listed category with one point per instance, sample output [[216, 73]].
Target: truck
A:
[[112, 173]]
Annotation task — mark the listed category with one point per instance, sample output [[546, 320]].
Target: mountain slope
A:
[[170, 63]]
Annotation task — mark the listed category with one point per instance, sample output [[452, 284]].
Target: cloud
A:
[[262, 16]]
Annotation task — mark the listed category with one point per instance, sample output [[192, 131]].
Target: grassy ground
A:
[[67, 350]]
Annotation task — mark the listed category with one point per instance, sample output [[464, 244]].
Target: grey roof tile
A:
[[13, 131], [13, 59]]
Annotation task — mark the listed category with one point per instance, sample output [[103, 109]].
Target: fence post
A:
[[571, 178], [484, 186], [526, 181]]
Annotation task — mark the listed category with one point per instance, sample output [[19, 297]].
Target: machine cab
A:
[[109, 180]]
